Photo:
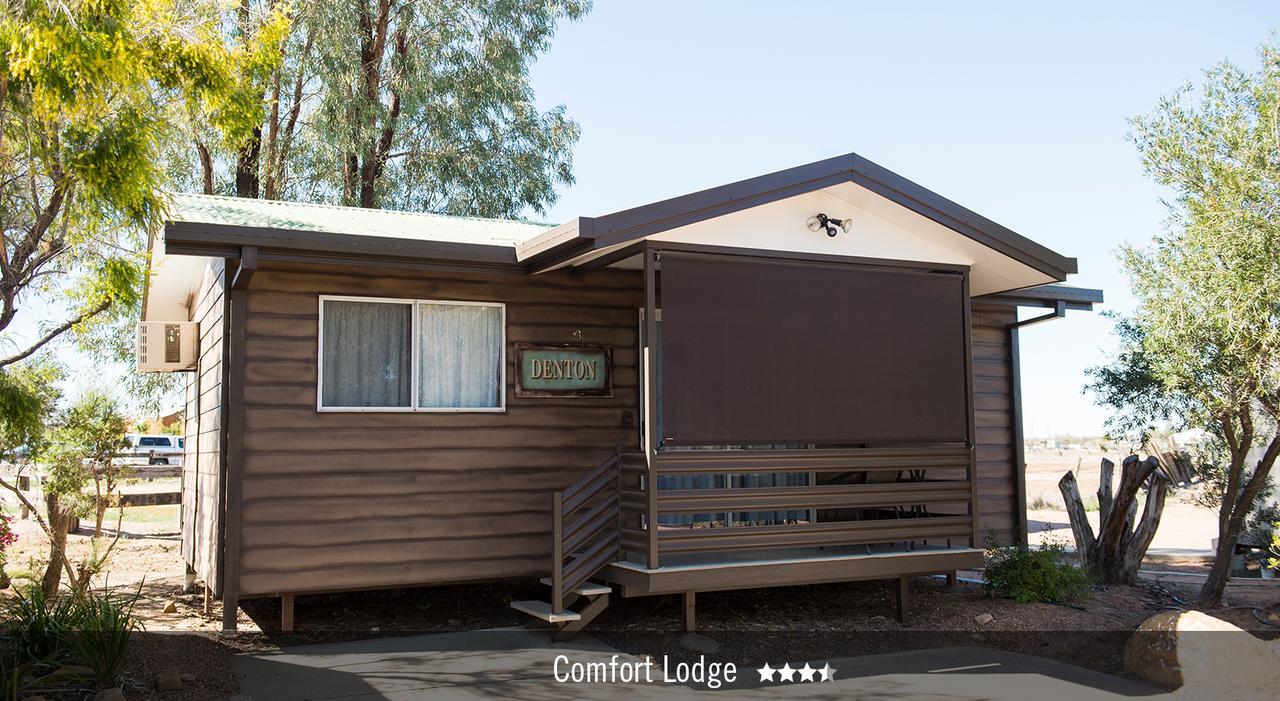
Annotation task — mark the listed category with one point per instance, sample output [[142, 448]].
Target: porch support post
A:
[[651, 401], [1019, 450], [972, 436], [902, 598], [690, 612], [286, 613]]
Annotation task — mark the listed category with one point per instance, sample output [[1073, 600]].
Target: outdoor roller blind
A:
[[764, 351]]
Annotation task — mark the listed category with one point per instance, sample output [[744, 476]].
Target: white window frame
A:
[[414, 348]]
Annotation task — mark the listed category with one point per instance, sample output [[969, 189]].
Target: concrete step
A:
[[586, 589], [542, 610]]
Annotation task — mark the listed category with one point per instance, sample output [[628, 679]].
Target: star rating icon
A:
[[787, 673]]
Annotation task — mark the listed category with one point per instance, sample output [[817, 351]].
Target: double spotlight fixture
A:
[[821, 221]]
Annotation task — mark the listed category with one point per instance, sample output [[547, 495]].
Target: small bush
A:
[[1026, 575], [102, 633], [39, 626]]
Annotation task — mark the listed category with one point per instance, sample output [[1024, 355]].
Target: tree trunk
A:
[[247, 166], [57, 545], [1211, 592], [1115, 555]]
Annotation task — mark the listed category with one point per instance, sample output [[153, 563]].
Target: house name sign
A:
[[567, 370]]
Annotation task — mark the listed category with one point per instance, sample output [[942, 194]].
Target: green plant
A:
[[39, 625], [1028, 575], [103, 628]]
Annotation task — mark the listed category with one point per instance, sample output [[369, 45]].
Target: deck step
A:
[[542, 610], [586, 588]]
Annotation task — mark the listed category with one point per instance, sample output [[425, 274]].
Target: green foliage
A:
[[28, 395], [1029, 575], [40, 626], [88, 89], [405, 104], [104, 625], [1201, 344], [92, 627], [84, 439]]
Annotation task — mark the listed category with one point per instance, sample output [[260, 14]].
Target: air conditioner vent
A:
[[167, 346]]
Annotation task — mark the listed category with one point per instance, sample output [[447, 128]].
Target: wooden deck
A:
[[785, 567]]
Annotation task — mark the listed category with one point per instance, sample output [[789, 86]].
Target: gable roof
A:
[[586, 234]]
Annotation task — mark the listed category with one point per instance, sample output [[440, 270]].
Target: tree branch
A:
[[57, 331]]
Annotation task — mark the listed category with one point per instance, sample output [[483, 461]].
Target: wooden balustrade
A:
[[639, 513]]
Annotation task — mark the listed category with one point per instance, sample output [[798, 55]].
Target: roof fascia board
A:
[[638, 222], [182, 236], [568, 235], [1047, 296]]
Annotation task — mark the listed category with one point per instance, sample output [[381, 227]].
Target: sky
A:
[[1017, 111]]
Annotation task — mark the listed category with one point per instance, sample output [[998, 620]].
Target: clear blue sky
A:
[[1016, 110]]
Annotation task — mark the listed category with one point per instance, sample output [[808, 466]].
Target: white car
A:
[[153, 449]]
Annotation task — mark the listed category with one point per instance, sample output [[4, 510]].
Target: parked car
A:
[[153, 449]]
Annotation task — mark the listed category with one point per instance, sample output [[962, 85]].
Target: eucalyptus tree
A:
[[406, 104], [86, 92], [1204, 341]]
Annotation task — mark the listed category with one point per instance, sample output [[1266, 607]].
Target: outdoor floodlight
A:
[[832, 226]]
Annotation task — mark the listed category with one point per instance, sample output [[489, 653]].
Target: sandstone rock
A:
[[1194, 651], [109, 695], [168, 681], [171, 607], [699, 643], [984, 618]]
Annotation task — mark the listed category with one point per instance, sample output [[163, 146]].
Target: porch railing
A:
[[936, 476], [585, 530]]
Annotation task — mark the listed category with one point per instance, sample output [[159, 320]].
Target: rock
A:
[[983, 618], [33, 698], [109, 695], [699, 643], [453, 622], [1196, 651], [187, 677], [1273, 617], [171, 607], [877, 620], [68, 672], [168, 681]]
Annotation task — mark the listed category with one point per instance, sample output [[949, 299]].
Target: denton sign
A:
[[571, 370]]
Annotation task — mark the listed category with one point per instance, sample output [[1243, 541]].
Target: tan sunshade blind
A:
[[763, 351]]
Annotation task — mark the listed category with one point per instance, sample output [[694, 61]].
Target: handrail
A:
[[582, 515]]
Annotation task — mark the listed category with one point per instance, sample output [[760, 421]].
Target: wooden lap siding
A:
[[998, 498], [356, 500], [202, 465]]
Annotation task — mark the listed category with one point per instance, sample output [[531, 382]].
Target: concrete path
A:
[[520, 664]]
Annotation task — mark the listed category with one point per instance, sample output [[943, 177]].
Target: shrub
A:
[[103, 628], [1028, 575], [39, 626]]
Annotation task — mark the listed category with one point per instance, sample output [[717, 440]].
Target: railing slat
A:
[[834, 533], [590, 525], [852, 459], [591, 561], [819, 497]]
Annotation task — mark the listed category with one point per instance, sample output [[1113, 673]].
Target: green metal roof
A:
[[332, 219]]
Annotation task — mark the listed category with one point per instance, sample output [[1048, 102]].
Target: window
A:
[[411, 355], [154, 442]]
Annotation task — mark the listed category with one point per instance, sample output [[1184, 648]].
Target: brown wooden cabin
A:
[[808, 376]]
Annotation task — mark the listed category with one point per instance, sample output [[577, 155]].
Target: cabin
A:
[[807, 376]]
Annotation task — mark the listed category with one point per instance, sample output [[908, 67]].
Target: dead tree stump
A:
[[1115, 554]]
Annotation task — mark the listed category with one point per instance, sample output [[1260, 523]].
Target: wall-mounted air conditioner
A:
[[168, 346]]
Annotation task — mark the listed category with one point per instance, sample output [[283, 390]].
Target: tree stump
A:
[[1115, 554]]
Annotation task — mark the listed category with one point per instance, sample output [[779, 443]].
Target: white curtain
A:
[[459, 364], [366, 354]]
